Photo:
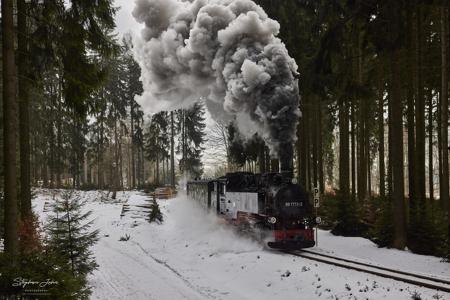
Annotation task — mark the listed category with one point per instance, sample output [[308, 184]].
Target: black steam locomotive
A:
[[268, 203]]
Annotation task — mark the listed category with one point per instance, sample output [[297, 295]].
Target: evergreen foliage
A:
[[241, 150], [236, 146], [369, 70], [116, 117], [360, 62], [349, 221], [427, 231], [155, 213], [157, 141], [70, 237], [43, 266], [191, 126], [383, 230], [49, 260]]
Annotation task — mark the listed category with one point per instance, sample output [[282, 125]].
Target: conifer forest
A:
[[108, 107]]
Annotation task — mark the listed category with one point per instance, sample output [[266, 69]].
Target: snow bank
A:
[[192, 255]]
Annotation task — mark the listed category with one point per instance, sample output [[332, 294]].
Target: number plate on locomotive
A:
[[293, 204]]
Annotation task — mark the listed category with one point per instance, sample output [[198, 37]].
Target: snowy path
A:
[[192, 256], [127, 273]]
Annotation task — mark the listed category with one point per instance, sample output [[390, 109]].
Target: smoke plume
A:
[[225, 52]]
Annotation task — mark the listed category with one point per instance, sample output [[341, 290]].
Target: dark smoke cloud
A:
[[225, 52]]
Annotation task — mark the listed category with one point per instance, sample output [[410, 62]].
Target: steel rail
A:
[[431, 282]]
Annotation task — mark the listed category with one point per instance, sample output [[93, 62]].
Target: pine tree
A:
[[157, 142], [191, 125], [71, 237], [133, 87], [155, 213], [236, 148]]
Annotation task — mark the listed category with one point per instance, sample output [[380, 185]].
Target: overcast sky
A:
[[124, 20]]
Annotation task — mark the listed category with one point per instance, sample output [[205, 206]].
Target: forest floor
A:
[[192, 255]]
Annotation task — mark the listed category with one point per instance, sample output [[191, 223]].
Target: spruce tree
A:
[[191, 125], [71, 237], [157, 144]]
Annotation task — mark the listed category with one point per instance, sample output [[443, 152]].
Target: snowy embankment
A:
[[192, 255]]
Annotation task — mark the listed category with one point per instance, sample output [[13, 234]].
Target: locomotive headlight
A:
[[272, 220]]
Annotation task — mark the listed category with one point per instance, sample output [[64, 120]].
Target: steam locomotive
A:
[[267, 204]]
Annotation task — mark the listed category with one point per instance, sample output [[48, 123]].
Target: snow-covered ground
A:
[[192, 255]]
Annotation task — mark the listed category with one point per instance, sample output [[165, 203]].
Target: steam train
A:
[[267, 204]]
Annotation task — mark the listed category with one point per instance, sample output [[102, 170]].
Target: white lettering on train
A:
[[293, 204]]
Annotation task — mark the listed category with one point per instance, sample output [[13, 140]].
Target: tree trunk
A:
[[396, 155], [133, 162], [420, 116], [163, 170], [274, 165], [368, 167], [410, 110], [44, 169], [100, 152], [390, 143], [143, 165], [59, 160], [314, 139], [362, 162], [183, 146], [308, 146], [53, 152], [303, 161], [320, 148], [299, 149], [444, 111], [25, 189], [262, 159], [167, 168], [172, 151], [430, 144], [120, 166], [381, 154], [343, 150], [353, 149], [9, 130], [157, 169]]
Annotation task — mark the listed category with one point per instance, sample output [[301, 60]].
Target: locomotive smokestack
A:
[[286, 161]]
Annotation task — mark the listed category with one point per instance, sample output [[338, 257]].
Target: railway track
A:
[[435, 283]]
